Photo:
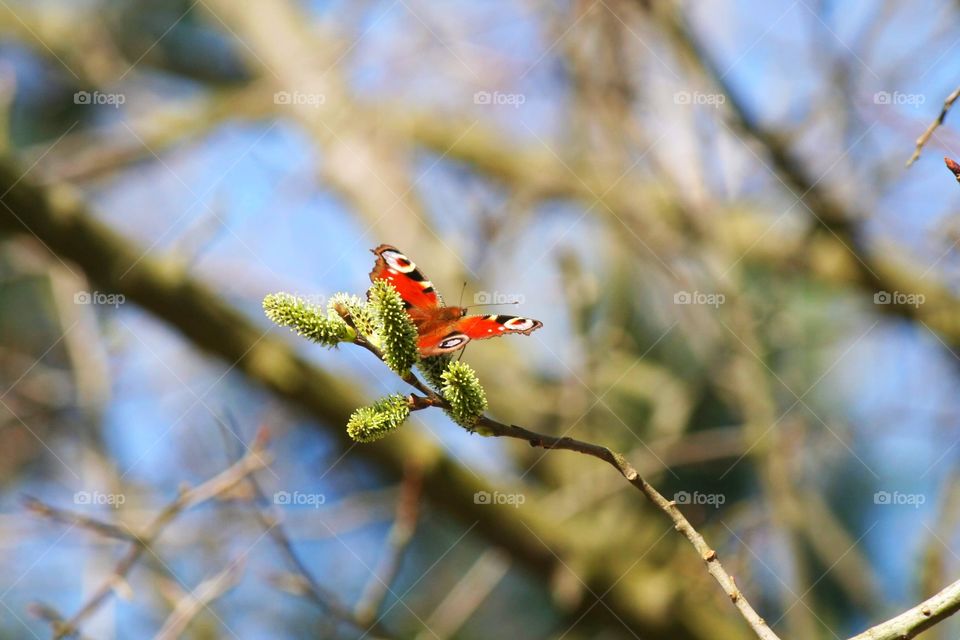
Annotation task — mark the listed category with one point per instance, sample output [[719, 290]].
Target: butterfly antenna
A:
[[462, 289], [491, 304]]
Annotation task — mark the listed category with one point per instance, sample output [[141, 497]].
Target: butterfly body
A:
[[441, 329]]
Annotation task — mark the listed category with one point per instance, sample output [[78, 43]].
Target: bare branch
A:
[[222, 483], [301, 580], [921, 617], [193, 603], [619, 462], [925, 136], [64, 516], [398, 540], [469, 593], [60, 223]]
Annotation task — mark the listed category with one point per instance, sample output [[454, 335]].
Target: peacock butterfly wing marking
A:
[[435, 326], [438, 343], [423, 303], [402, 272], [447, 338], [441, 329], [483, 327]]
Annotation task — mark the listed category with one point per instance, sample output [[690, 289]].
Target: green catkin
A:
[[308, 320], [371, 423], [360, 313], [382, 320], [462, 390], [398, 336], [433, 368]]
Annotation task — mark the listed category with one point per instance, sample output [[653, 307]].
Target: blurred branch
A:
[[922, 140], [226, 480], [301, 581], [468, 594], [54, 216], [401, 533], [72, 519], [367, 169], [934, 565], [875, 271], [51, 616], [194, 603], [367, 165], [620, 463], [750, 381], [654, 458], [88, 154]]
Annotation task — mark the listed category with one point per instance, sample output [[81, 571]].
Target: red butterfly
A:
[[442, 329]]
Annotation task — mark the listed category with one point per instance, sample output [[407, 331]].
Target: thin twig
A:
[[468, 594], [301, 581], [619, 462], [681, 524], [905, 626], [51, 616], [65, 516], [193, 603], [226, 480], [925, 136], [401, 533], [919, 618]]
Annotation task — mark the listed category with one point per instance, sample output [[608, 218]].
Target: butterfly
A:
[[441, 329]]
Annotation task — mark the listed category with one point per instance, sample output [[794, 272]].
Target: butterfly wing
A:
[[455, 335], [442, 329], [411, 284]]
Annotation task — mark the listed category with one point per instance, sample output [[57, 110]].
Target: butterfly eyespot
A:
[[453, 342], [398, 261], [519, 324], [441, 329]]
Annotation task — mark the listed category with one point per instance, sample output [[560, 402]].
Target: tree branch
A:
[[399, 538], [255, 459], [620, 463], [917, 619], [925, 136], [192, 604]]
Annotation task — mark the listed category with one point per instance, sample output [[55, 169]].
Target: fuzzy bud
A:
[[368, 424], [308, 320]]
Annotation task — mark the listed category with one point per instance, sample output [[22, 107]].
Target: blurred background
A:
[[706, 203]]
